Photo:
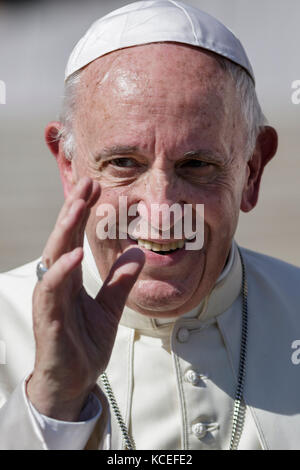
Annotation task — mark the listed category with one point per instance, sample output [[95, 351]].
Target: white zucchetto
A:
[[156, 21]]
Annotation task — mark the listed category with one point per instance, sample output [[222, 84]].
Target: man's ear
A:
[[55, 143], [265, 149]]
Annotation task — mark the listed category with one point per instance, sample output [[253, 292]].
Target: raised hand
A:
[[75, 333]]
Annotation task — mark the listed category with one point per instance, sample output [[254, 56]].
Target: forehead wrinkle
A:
[[206, 98], [111, 73], [124, 72], [127, 67]]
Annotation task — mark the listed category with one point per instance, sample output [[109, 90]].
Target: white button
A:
[[200, 429], [191, 377], [183, 335]]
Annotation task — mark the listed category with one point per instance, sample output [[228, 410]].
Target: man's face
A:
[[159, 102]]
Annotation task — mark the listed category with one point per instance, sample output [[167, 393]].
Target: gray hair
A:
[[66, 115], [245, 89], [250, 108]]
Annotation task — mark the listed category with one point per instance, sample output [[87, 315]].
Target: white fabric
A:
[[156, 21], [160, 387], [167, 393], [272, 380], [60, 435], [138, 369], [65, 435]]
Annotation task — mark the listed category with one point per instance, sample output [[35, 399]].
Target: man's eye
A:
[[123, 162], [194, 164]]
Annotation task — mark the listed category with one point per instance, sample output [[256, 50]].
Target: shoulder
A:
[[272, 274], [25, 270], [22, 275], [16, 286], [16, 333], [264, 263]]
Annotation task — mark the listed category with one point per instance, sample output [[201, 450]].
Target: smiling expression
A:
[[161, 124]]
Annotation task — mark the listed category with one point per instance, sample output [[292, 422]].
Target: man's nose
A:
[[161, 203], [161, 187]]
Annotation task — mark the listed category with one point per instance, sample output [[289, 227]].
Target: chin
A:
[[159, 298]]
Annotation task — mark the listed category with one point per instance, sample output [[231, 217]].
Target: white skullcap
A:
[[156, 21]]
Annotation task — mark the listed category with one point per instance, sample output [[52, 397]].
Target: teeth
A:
[[146, 244], [155, 247], [159, 247]]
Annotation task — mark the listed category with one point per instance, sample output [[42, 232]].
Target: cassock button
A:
[[191, 377], [183, 335], [201, 429]]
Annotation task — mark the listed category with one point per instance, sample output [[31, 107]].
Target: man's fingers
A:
[[80, 228], [82, 190], [121, 278], [61, 270], [95, 193], [60, 240], [69, 229]]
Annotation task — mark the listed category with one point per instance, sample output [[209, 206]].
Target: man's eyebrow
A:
[[116, 150], [204, 153], [107, 152]]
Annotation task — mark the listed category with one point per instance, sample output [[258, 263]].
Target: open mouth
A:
[[161, 248]]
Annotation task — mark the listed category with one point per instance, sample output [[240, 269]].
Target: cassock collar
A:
[[222, 296]]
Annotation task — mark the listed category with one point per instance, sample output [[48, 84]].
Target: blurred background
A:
[[36, 38]]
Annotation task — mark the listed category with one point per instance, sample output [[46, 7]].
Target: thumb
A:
[[120, 280]]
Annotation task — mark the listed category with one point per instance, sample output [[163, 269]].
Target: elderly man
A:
[[191, 348]]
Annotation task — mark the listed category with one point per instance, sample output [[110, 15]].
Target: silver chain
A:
[[239, 408], [127, 439]]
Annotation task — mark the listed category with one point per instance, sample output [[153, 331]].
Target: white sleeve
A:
[[65, 435]]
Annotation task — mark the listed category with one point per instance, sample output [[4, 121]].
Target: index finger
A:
[[82, 190], [70, 225]]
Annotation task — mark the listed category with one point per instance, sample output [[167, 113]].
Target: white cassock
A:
[[174, 380]]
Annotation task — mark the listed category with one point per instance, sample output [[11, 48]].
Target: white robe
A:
[[171, 379]]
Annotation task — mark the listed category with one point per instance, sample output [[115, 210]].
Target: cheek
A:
[[104, 217], [221, 210]]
